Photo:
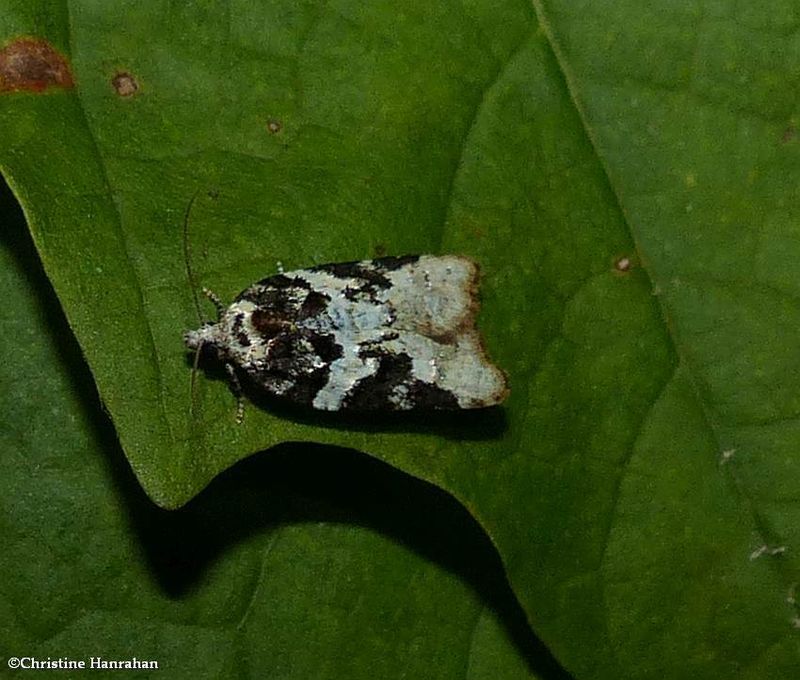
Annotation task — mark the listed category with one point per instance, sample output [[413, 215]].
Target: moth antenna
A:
[[193, 381], [187, 257], [211, 295], [192, 281]]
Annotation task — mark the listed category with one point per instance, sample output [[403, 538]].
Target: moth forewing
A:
[[390, 334]]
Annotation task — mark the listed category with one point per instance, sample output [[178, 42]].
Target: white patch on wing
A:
[[345, 372], [433, 296]]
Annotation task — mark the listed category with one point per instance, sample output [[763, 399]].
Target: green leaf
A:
[[625, 173], [307, 563]]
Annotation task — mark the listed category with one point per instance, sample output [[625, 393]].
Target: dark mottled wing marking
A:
[[356, 269], [274, 290], [373, 392], [314, 305], [305, 387], [239, 331], [367, 278], [325, 346], [379, 391], [276, 300], [391, 263], [426, 396], [300, 358], [370, 275], [283, 281], [267, 323]]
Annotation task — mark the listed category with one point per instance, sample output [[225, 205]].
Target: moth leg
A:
[[215, 301], [236, 388]]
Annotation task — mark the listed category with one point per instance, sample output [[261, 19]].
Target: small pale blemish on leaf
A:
[[124, 84], [33, 65], [796, 622], [773, 551], [690, 180], [791, 598], [623, 264], [726, 455], [274, 126]]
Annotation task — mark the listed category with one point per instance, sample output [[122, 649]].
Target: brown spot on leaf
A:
[[33, 65], [788, 134], [125, 84], [274, 126]]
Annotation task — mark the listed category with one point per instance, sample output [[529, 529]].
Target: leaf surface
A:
[[306, 563], [623, 173]]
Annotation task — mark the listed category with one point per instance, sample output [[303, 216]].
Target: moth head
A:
[[204, 339]]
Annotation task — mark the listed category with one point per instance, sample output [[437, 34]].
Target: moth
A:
[[389, 334]]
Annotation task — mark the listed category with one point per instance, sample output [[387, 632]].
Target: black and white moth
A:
[[390, 334]]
